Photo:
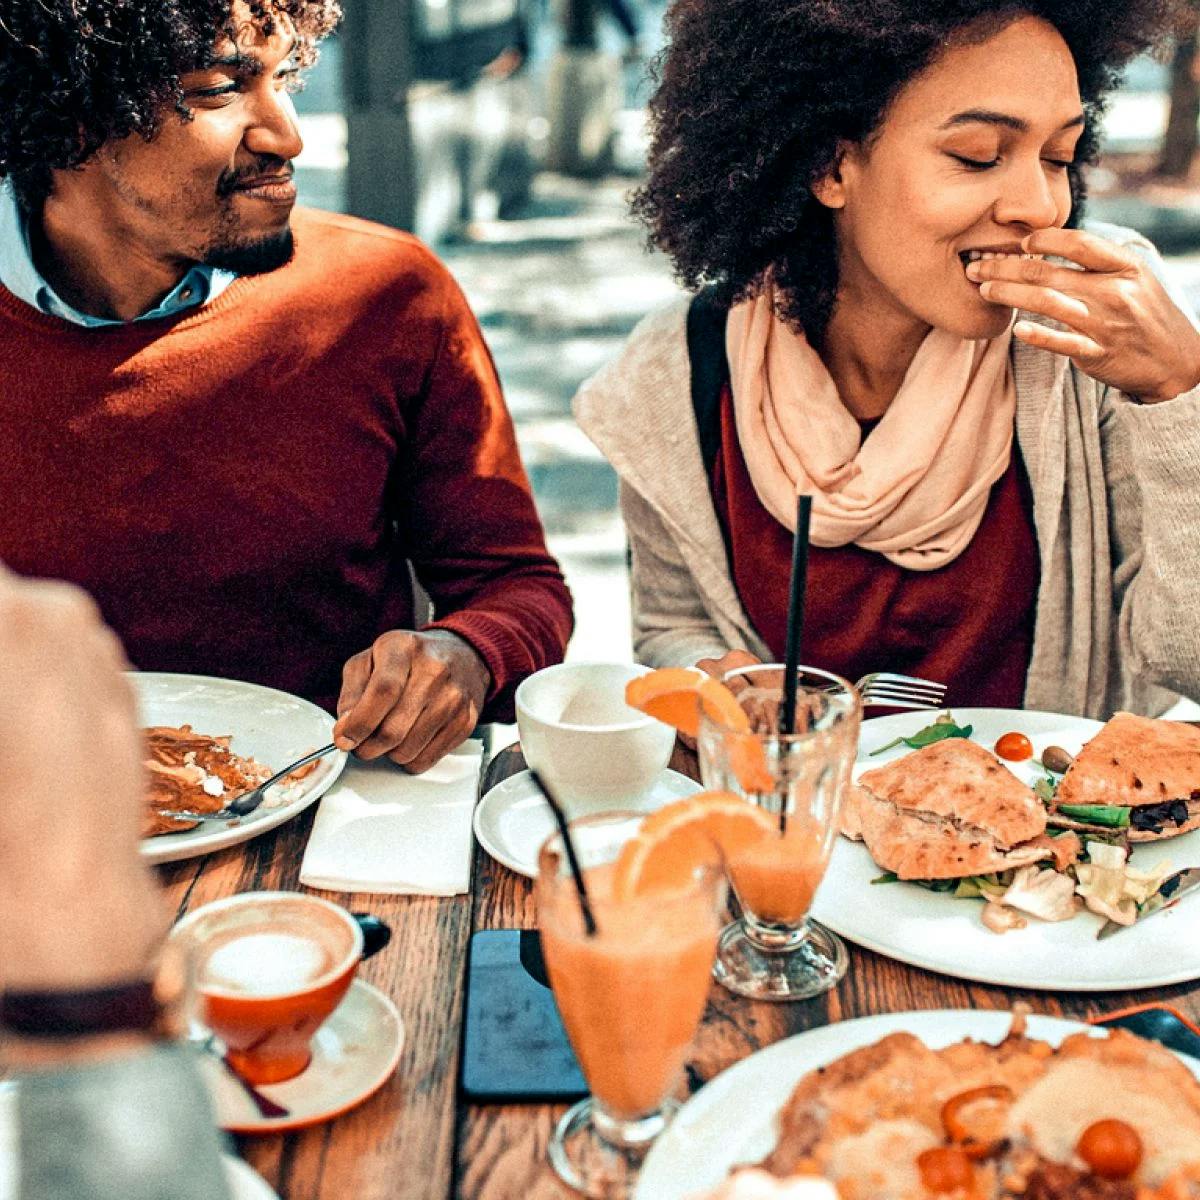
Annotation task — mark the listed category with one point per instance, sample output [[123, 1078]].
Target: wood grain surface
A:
[[400, 1144], [414, 1140]]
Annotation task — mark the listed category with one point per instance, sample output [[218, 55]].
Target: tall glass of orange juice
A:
[[775, 951], [631, 993]]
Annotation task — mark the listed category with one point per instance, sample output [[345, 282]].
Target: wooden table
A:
[[414, 1140]]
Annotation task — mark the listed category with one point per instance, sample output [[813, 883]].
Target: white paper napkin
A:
[[382, 830]]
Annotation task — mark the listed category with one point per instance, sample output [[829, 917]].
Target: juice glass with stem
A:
[[776, 951], [631, 995]]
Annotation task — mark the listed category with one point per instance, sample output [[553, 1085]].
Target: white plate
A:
[[731, 1120], [271, 726], [244, 1182], [354, 1054], [513, 820], [940, 933]]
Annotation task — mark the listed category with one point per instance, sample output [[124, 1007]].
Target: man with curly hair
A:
[[238, 425]]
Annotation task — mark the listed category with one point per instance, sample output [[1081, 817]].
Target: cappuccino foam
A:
[[265, 963]]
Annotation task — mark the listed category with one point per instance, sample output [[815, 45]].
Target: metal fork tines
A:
[[247, 802], [888, 690]]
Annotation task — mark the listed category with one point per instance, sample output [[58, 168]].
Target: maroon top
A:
[[242, 488], [968, 625]]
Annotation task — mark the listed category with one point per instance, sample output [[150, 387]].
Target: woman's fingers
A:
[[1047, 301], [1066, 342], [1037, 271], [1089, 251]]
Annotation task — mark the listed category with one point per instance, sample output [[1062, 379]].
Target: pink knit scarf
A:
[[916, 488]]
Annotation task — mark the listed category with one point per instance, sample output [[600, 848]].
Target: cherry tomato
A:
[[975, 1119], [1016, 747], [945, 1169], [1111, 1149]]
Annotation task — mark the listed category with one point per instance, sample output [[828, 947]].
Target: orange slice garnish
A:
[[673, 843], [674, 695], [748, 760]]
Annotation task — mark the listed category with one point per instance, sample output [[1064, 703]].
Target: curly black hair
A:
[[755, 96], [76, 74]]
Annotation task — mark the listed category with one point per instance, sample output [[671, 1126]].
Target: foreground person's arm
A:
[[104, 1115], [136, 1126]]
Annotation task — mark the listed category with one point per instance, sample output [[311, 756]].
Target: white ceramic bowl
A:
[[584, 741]]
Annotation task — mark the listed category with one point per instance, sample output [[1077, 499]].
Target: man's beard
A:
[[252, 258]]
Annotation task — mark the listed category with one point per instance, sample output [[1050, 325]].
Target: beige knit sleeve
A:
[[1152, 471], [671, 624], [1152, 461]]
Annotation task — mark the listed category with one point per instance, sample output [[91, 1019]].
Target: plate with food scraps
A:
[[734, 1119], [270, 727], [942, 931]]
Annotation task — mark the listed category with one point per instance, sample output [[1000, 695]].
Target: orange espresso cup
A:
[[268, 968]]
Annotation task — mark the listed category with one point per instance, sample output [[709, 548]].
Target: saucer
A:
[[513, 820], [354, 1054]]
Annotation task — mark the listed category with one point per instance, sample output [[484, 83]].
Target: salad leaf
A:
[[1114, 888], [1046, 789], [969, 887], [1109, 816], [1042, 893], [1105, 856], [944, 727], [886, 877]]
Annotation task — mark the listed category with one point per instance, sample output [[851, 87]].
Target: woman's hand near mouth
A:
[[1122, 328]]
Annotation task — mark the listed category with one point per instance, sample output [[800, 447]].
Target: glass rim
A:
[[704, 875], [850, 694]]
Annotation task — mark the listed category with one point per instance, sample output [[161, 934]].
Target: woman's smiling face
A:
[[971, 156]]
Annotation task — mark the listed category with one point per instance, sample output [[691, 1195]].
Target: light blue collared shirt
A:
[[19, 274]]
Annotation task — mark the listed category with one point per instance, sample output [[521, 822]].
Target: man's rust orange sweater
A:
[[242, 488]]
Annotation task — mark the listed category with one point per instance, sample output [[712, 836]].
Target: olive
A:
[[1056, 759]]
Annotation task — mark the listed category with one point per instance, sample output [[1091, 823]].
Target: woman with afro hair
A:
[[994, 410]]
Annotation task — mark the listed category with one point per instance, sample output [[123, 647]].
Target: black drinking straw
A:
[[795, 624], [795, 617], [589, 921]]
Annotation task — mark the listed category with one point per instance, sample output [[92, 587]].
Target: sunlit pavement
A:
[[557, 292]]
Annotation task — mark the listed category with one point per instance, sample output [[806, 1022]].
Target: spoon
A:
[[247, 802], [266, 1106]]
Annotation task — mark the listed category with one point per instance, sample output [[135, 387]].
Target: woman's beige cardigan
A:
[[1116, 506]]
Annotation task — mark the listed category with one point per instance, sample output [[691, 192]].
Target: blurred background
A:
[[508, 133]]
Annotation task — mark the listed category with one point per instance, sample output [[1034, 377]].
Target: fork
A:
[[247, 802], [886, 690]]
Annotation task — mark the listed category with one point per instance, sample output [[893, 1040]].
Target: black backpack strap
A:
[[710, 371]]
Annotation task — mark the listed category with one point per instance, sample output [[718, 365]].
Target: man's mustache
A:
[[267, 165]]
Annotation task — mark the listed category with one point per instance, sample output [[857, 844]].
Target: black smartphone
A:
[[1159, 1023], [514, 1044]]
